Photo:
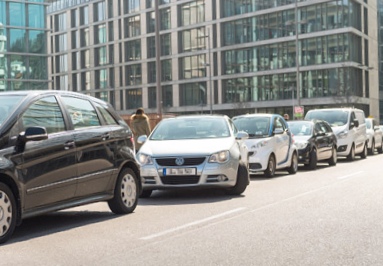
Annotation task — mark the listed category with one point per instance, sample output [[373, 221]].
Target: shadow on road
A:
[[186, 196], [57, 222]]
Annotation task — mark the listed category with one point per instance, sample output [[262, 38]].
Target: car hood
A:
[[186, 147], [339, 129]]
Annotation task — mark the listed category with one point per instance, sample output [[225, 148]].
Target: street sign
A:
[[299, 112]]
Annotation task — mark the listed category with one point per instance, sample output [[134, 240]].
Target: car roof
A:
[[258, 115], [34, 93]]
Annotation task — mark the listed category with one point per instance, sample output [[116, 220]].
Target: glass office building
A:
[[228, 56], [23, 54]]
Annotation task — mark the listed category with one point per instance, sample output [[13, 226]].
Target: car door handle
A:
[[69, 145], [105, 136]]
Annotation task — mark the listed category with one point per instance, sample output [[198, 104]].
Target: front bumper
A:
[[155, 176]]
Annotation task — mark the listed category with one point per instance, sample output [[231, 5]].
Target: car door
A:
[[322, 141], [281, 141], [95, 161], [46, 168]]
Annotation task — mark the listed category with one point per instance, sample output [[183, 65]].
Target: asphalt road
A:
[[331, 216]]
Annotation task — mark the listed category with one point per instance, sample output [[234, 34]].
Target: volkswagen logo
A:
[[180, 161]]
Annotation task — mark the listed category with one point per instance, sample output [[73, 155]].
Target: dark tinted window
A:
[[81, 112], [109, 119], [44, 113]]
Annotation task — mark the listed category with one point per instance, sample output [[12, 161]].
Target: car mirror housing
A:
[[141, 139], [278, 131], [242, 135]]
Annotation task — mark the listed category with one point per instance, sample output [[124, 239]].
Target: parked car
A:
[[270, 143], [198, 151], [374, 135], [59, 150], [315, 141], [349, 126]]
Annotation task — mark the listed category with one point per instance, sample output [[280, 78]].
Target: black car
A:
[[59, 150], [315, 141]]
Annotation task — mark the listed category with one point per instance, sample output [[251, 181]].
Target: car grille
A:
[[179, 180], [172, 161]]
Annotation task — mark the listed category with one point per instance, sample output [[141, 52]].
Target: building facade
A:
[[228, 56], [23, 53]]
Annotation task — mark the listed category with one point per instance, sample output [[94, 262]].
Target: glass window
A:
[[37, 42], [151, 22], [100, 34], [17, 14], [131, 6], [165, 17], [133, 50], [44, 113], [132, 26], [167, 97], [99, 11], [17, 41], [81, 112], [100, 56], [35, 15], [38, 67], [193, 66], [101, 79], [3, 17], [133, 74], [133, 98], [166, 48], [193, 39], [193, 94], [108, 118], [84, 15], [192, 13]]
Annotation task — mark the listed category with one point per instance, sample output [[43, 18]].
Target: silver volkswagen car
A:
[[197, 151]]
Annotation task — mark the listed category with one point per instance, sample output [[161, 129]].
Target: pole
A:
[[210, 77], [297, 54], [158, 60]]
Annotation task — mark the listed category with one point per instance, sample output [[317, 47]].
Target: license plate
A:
[[179, 171]]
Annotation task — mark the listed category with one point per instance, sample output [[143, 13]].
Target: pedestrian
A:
[[140, 126], [286, 117]]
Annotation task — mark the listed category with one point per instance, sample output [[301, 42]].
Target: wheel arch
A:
[[7, 180], [132, 165]]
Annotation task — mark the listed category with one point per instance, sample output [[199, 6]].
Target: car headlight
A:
[[260, 144], [219, 157], [301, 145], [144, 159], [342, 134]]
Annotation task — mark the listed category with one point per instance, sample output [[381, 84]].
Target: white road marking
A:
[[350, 175], [191, 224]]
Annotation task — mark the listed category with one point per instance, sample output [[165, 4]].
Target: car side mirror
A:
[[30, 134], [141, 139], [321, 133], [356, 123], [241, 135], [278, 131]]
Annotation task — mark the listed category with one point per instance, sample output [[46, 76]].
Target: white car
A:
[[374, 135], [270, 144], [199, 151]]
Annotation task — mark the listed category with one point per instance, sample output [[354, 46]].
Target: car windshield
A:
[[7, 104], [256, 127], [301, 128], [333, 117], [191, 128]]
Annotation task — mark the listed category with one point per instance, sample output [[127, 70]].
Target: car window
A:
[[81, 112], [278, 124], [109, 119], [255, 126], [7, 104], [44, 113]]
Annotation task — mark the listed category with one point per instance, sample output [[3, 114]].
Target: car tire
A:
[[313, 160], [146, 193], [363, 155], [126, 193], [372, 149], [294, 164], [270, 170], [8, 213], [333, 159], [242, 181], [351, 155], [380, 149]]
